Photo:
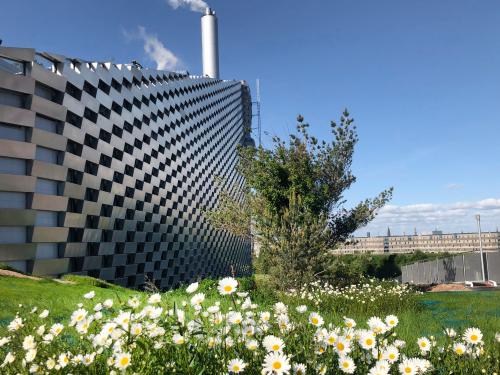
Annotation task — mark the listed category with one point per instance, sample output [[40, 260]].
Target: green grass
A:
[[433, 312], [60, 299]]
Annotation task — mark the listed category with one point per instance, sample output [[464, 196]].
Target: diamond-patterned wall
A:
[[105, 169]]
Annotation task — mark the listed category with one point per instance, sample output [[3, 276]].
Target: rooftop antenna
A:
[[257, 111]]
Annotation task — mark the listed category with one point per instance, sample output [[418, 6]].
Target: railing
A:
[[459, 268]]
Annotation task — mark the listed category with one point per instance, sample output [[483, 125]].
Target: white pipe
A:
[[210, 44]]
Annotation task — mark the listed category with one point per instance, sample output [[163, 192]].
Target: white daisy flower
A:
[[227, 286], [154, 298], [299, 369], [273, 343], [122, 360], [391, 321], [301, 309], [276, 363], [424, 344], [197, 299], [346, 365], [473, 336], [459, 348], [315, 319], [192, 288], [236, 366], [89, 295], [408, 367], [366, 339], [178, 339]]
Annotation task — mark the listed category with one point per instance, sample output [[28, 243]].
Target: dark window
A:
[[117, 131], [91, 168], [90, 115], [74, 176], [116, 85], [74, 147], [106, 210], [117, 154], [103, 111], [103, 86], [106, 185], [74, 91], [118, 177], [116, 108], [91, 194], [127, 105], [89, 89], [105, 136], [90, 141], [105, 160], [73, 119]]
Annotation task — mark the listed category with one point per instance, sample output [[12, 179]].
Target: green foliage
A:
[[348, 268], [293, 203]]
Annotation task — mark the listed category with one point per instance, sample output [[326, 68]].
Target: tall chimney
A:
[[210, 44]]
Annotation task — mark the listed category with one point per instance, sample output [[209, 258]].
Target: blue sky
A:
[[421, 78]]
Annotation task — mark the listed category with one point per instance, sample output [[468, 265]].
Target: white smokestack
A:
[[210, 44]]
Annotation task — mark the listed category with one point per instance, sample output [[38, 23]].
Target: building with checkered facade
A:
[[106, 169]]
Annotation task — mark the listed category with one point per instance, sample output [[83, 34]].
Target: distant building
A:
[[435, 242]]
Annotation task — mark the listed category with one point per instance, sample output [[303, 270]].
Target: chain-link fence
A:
[[459, 268]]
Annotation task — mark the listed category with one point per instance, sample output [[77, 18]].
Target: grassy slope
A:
[[60, 299], [452, 309]]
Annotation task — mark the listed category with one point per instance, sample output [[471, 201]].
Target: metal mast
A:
[[257, 111]]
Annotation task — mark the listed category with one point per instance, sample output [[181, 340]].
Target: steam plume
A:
[[194, 5]]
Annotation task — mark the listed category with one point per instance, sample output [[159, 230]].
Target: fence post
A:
[[463, 262]]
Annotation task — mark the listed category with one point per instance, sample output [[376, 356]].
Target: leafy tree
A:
[[293, 202]]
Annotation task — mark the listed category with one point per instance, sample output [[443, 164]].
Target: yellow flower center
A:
[[340, 346], [276, 347], [408, 370], [392, 356], [331, 340], [423, 344], [228, 288], [459, 351], [369, 341], [473, 337], [236, 368], [277, 365], [392, 322], [315, 321], [345, 364], [124, 361]]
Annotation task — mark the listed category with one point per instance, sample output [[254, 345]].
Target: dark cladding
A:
[[105, 169]]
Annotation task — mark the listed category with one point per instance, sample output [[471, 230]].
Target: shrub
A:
[[293, 203]]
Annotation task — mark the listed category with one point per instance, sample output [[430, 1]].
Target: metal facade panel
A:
[[134, 156], [493, 262]]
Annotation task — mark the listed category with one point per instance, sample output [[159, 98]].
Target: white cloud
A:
[[156, 51], [194, 5], [454, 186], [425, 217]]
